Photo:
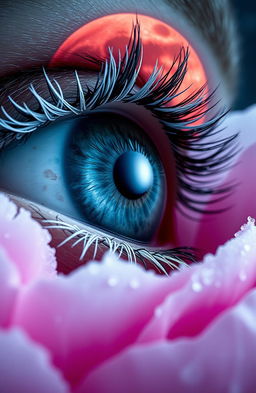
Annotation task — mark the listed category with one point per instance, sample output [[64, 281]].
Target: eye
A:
[[100, 169], [96, 187]]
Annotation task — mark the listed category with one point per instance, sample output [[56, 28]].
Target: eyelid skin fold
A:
[[160, 42]]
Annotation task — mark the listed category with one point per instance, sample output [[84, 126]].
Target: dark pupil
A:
[[133, 174]]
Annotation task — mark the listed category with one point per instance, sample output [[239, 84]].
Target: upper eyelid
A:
[[64, 107]]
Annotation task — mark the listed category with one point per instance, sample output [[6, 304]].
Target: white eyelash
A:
[[103, 88], [119, 247]]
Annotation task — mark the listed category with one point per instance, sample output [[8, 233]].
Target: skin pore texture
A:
[[37, 29]]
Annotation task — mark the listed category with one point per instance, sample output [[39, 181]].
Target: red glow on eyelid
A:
[[160, 41]]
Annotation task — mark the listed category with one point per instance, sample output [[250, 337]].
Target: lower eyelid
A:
[[76, 244]]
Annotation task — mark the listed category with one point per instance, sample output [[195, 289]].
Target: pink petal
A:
[[25, 367], [25, 242], [93, 313], [216, 284], [9, 283], [211, 230], [222, 359], [242, 199]]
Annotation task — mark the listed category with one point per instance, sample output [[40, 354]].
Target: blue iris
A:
[[115, 175]]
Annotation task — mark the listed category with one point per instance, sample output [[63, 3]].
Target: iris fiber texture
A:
[[95, 144]]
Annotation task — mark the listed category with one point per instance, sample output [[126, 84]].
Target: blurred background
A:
[[245, 12]]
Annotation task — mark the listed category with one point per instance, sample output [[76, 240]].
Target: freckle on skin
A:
[[59, 197], [49, 174], [44, 188]]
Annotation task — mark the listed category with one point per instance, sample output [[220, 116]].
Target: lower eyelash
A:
[[173, 258]]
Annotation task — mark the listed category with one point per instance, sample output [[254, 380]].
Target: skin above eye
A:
[[39, 48], [161, 43], [208, 25]]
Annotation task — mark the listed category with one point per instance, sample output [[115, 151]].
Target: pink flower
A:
[[112, 327], [210, 231]]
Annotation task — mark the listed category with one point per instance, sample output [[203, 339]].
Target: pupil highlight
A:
[[133, 174]]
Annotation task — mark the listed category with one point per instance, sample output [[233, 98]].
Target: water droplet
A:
[[242, 276], [112, 281], [207, 276], [134, 283], [250, 220], [250, 224], [242, 253], [109, 258], [247, 247], [197, 286], [158, 312]]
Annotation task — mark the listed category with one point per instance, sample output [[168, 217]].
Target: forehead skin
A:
[[32, 30]]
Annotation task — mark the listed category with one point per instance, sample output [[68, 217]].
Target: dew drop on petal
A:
[[247, 247], [207, 276], [134, 283], [93, 269], [112, 281], [158, 312], [251, 220], [197, 286], [242, 276], [110, 258], [249, 225]]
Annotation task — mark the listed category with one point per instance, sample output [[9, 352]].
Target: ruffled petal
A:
[[25, 242], [25, 367], [222, 359], [241, 201], [208, 231], [93, 313], [216, 284], [9, 284]]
